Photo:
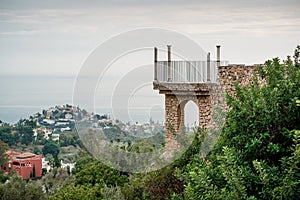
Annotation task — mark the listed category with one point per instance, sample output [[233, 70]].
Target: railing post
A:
[[218, 55], [208, 67], [169, 64], [155, 63]]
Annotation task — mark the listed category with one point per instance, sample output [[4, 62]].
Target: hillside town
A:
[[60, 119], [58, 125]]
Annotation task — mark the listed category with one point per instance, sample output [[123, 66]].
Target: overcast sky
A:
[[54, 37]]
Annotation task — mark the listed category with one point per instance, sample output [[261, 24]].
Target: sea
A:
[[23, 96]]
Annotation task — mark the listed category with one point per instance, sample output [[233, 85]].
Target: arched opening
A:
[[191, 116]]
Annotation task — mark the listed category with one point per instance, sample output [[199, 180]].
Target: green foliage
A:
[[95, 172], [3, 156], [262, 117], [3, 160], [30, 123], [163, 183], [6, 135], [26, 134], [113, 184], [18, 189], [93, 180], [149, 144], [67, 139], [257, 156], [154, 185], [81, 162], [56, 179], [112, 193], [51, 148], [3, 178], [79, 192], [36, 150], [22, 133], [290, 185], [114, 133]]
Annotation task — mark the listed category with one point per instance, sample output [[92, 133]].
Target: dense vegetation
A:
[[20, 137], [258, 153], [22, 133], [256, 157]]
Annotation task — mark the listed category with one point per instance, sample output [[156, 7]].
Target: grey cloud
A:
[[53, 30], [52, 4]]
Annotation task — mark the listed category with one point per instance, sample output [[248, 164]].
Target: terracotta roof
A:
[[25, 155], [19, 155]]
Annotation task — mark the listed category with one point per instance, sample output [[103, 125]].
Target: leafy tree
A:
[[36, 150], [78, 192], [93, 180], [161, 184], [51, 148], [3, 178], [257, 156], [96, 172], [3, 160], [66, 139], [26, 134], [18, 189], [261, 121], [3, 157], [81, 162], [30, 123], [112, 193], [56, 179], [7, 136], [114, 184]]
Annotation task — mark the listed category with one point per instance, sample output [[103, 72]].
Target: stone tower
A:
[[203, 82], [181, 82]]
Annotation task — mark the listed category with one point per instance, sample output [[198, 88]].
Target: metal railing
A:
[[188, 71]]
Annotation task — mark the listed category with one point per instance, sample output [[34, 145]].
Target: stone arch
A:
[[181, 110], [174, 107]]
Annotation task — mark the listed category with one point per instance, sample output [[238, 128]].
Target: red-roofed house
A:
[[26, 164]]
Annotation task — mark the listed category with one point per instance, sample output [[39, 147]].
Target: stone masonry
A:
[[205, 95]]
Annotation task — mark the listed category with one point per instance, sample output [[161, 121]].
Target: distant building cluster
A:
[[51, 123], [135, 129], [56, 120], [60, 119], [145, 129]]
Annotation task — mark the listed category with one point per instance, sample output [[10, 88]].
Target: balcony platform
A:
[[185, 88]]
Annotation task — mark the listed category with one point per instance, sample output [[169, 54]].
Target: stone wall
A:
[[207, 96], [231, 74]]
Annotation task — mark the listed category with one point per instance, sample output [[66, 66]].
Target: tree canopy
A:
[[257, 155]]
